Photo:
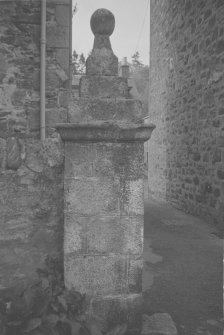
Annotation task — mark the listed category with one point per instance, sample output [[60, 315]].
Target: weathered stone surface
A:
[[113, 279], [103, 185], [86, 110], [79, 159], [135, 275], [103, 87], [13, 154], [62, 58], [91, 196], [102, 22], [103, 235], [105, 131], [104, 160], [57, 36], [2, 152], [186, 102], [53, 117], [131, 195], [40, 155], [62, 14], [31, 216], [102, 60], [31, 188], [118, 309], [160, 323]]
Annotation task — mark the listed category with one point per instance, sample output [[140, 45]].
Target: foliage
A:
[[74, 8], [135, 63], [78, 63], [44, 307], [140, 74]]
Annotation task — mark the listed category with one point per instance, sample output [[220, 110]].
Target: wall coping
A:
[[105, 131]]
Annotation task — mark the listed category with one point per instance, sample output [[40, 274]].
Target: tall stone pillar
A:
[[103, 185]]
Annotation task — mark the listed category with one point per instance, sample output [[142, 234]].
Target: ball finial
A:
[[102, 22]]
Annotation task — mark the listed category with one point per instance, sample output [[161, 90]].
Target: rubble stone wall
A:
[[31, 171], [186, 103]]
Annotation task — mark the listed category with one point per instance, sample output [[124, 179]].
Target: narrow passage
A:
[[183, 269]]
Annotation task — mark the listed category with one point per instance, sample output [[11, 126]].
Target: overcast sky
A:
[[131, 27]]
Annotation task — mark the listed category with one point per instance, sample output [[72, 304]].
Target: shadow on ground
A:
[[183, 269]]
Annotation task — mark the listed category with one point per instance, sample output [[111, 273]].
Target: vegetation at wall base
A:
[[44, 307]]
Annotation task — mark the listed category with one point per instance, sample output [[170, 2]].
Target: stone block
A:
[[96, 275], [59, 2], [2, 153], [28, 19], [40, 155], [91, 196], [103, 87], [85, 110], [103, 235], [135, 275], [128, 160], [53, 116], [52, 80], [57, 36], [13, 158], [3, 67], [129, 109], [74, 234], [102, 62], [121, 160], [90, 159], [79, 159], [18, 97], [62, 58], [159, 323], [63, 14], [18, 229], [220, 141], [118, 309], [132, 197], [63, 98]]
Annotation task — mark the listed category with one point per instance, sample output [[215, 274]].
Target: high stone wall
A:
[[31, 174], [186, 103]]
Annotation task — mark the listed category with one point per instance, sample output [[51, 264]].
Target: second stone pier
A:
[[104, 200]]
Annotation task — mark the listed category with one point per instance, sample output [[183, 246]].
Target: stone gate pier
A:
[[103, 186]]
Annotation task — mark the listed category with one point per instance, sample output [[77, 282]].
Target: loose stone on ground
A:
[[158, 324]]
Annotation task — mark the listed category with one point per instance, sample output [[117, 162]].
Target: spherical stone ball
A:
[[102, 22]]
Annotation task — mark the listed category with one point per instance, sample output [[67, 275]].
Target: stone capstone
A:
[[102, 60], [101, 131], [102, 22]]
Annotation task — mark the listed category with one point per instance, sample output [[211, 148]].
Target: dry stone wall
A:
[[31, 171], [186, 152]]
